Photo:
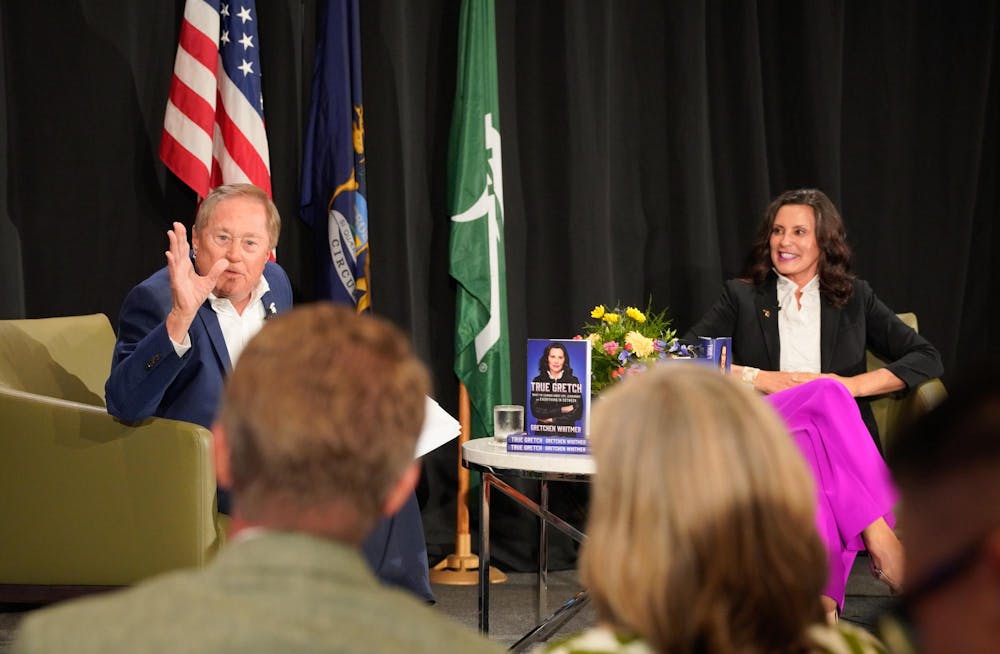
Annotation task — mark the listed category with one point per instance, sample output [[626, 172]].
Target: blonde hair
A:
[[701, 533], [325, 405], [249, 191]]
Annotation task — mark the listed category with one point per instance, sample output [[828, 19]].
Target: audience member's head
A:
[[319, 423], [701, 533], [947, 467]]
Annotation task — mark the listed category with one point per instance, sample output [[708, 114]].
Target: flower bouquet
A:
[[626, 342]]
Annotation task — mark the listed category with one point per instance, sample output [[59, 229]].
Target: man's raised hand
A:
[[188, 288]]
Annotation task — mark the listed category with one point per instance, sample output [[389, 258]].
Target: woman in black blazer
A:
[[800, 314], [801, 245]]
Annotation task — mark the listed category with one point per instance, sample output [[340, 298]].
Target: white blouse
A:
[[799, 326]]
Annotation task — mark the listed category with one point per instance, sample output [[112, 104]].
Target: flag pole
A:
[[462, 567]]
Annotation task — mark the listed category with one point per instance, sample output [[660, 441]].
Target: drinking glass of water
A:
[[507, 419]]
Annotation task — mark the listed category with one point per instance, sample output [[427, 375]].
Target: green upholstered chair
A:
[[88, 502], [894, 411]]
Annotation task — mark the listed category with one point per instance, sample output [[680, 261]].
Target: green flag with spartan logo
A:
[[475, 200]]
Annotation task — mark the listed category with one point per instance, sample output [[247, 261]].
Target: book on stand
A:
[[718, 351], [558, 388]]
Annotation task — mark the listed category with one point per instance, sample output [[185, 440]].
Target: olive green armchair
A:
[[88, 502], [893, 411]]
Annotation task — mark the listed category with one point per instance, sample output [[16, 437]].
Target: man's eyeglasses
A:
[[250, 244]]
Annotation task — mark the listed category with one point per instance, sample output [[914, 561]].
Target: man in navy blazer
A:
[[181, 331], [172, 352], [147, 381]]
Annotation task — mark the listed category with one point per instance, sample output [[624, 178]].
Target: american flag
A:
[[213, 130]]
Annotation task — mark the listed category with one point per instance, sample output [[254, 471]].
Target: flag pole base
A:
[[462, 567]]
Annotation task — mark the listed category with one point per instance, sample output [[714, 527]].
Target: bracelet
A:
[[750, 375]]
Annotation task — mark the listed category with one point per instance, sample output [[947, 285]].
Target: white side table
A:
[[495, 461]]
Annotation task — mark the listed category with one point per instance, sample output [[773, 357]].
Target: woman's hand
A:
[[568, 408], [869, 383], [773, 381]]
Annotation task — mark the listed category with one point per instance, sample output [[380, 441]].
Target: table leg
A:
[[543, 552], [553, 623], [484, 554]]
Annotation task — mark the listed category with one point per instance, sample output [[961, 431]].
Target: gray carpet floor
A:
[[514, 605]]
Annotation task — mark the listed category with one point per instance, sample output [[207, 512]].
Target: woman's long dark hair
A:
[[836, 281], [543, 363]]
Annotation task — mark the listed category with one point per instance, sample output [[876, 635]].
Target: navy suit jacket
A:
[[749, 314], [149, 379]]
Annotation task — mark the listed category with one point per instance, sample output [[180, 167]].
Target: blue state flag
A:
[[333, 167]]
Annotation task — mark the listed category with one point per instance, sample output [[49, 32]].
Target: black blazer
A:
[[749, 314]]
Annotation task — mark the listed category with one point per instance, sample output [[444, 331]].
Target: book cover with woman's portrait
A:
[[558, 387]]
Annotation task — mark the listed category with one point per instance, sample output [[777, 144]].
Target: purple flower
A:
[[680, 349]]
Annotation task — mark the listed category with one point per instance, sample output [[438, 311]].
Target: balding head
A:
[[323, 410]]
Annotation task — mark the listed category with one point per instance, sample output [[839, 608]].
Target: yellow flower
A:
[[636, 315], [610, 318], [641, 346], [598, 311], [594, 339]]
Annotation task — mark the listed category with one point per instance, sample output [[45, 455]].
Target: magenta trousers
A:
[[853, 485]]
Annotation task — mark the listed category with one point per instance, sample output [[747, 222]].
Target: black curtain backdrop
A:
[[641, 142]]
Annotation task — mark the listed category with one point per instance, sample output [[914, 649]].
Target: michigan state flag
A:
[[475, 200], [333, 167]]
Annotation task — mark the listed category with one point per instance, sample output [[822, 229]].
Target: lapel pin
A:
[[767, 313]]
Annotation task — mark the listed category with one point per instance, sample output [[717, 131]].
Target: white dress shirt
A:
[[799, 326], [237, 329]]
